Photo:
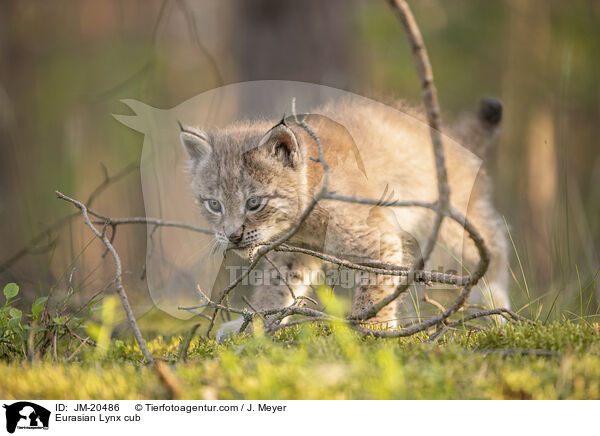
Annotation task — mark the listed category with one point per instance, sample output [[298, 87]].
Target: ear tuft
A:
[[195, 142]]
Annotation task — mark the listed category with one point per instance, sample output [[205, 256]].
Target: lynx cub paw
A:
[[229, 329]]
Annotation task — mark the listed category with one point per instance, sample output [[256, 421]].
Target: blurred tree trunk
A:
[[308, 41], [528, 158]]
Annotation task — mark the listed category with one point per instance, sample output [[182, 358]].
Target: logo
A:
[[26, 415]]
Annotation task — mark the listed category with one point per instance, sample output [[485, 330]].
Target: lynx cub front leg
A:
[[371, 288], [269, 289], [273, 292]]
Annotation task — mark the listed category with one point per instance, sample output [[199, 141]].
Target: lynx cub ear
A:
[[195, 142], [281, 142]]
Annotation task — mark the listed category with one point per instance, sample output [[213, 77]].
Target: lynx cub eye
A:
[[253, 204], [213, 206]]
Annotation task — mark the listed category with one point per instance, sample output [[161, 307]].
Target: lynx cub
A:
[[253, 179]]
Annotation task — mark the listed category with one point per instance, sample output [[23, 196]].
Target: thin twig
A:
[[77, 349], [520, 351], [144, 220], [32, 246], [430, 300], [256, 312], [168, 379], [281, 277], [185, 345], [507, 314]]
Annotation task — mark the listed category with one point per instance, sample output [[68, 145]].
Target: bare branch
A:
[[144, 220], [118, 279], [430, 98], [423, 66], [381, 268]]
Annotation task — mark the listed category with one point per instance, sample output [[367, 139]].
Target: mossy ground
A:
[[333, 362]]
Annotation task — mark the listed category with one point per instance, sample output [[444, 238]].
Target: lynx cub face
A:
[[249, 180]]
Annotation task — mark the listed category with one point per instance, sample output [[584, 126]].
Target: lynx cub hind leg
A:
[[371, 288], [492, 290]]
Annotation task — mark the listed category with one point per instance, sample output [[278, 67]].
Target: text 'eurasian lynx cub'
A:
[[253, 179]]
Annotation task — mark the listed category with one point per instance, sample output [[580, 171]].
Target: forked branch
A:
[[118, 275]]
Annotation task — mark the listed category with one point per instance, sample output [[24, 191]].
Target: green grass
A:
[[333, 362]]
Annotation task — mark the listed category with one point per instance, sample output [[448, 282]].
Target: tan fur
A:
[[371, 149]]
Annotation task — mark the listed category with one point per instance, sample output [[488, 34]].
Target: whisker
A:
[[214, 248]]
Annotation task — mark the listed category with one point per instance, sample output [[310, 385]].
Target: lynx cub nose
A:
[[236, 237]]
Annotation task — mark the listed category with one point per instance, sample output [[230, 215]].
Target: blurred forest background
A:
[[65, 66]]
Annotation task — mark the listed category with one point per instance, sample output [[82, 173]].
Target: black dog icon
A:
[[31, 413]]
